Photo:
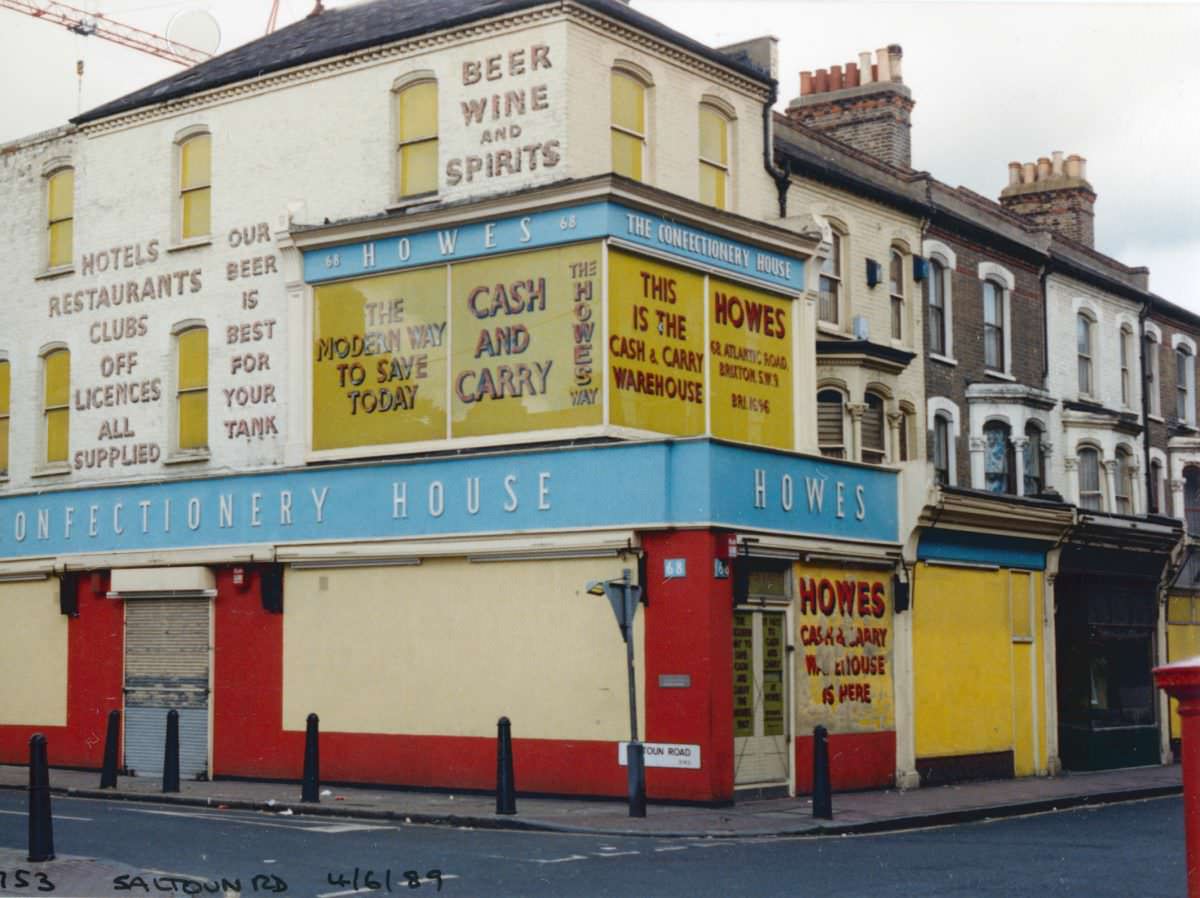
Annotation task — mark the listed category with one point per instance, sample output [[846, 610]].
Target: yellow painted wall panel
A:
[[962, 657], [33, 655], [1183, 641], [451, 646]]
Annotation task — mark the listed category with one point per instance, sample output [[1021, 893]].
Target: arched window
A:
[[714, 156], [1124, 497], [1083, 348], [195, 186], [1156, 484], [1035, 460], [896, 291], [628, 125], [1184, 374], [1191, 499], [874, 447], [904, 434], [935, 284], [941, 449], [56, 405], [60, 213], [831, 429], [1152, 380], [192, 386], [1091, 496], [993, 325], [1126, 361], [831, 281], [417, 138], [998, 458]]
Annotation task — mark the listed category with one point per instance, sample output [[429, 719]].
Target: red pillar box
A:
[[1181, 681]]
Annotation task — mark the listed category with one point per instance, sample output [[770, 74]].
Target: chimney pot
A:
[[1043, 169], [806, 83], [864, 66], [1074, 166], [895, 55], [1028, 173], [822, 79], [835, 77], [1014, 174], [883, 64], [852, 77], [1056, 165]]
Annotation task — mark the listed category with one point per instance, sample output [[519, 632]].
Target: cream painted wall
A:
[[449, 646], [33, 655]]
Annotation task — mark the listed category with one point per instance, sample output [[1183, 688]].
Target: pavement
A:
[[853, 812]]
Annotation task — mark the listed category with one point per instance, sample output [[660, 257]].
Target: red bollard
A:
[[1181, 681]]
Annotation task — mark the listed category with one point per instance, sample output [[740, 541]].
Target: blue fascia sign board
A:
[[587, 221], [969, 547], [669, 483]]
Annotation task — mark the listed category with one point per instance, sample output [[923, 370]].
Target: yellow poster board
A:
[[655, 346], [844, 643], [750, 365], [526, 338], [379, 360]]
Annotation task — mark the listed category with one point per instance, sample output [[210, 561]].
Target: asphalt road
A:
[[1133, 849]]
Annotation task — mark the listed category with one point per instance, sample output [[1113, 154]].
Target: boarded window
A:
[[192, 397], [417, 138], [56, 379], [195, 186], [60, 203], [628, 125]]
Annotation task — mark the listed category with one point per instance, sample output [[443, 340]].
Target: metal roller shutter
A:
[[166, 666]]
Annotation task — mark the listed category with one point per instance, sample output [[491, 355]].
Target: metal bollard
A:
[[41, 824], [822, 800], [636, 755], [506, 790], [171, 753], [108, 774], [310, 791]]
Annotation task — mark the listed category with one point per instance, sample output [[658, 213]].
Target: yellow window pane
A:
[[57, 434], [419, 168], [58, 378], [3, 445], [62, 238], [714, 145], [628, 103], [627, 155], [197, 213], [193, 420], [62, 195], [195, 163], [712, 185], [193, 358], [5, 387], [418, 112]]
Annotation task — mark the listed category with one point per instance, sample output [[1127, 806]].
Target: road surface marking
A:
[[673, 848], [559, 860], [349, 892], [56, 816], [614, 853], [222, 818], [347, 828]]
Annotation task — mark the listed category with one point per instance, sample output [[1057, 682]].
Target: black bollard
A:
[[171, 753], [41, 825], [636, 756], [108, 774], [506, 790], [312, 763], [822, 789]]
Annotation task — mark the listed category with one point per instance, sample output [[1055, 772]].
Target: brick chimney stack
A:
[[863, 104], [1054, 194]]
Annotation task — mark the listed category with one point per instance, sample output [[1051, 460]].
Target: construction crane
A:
[[88, 25]]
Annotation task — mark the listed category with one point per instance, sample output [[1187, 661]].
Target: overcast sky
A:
[[993, 82]]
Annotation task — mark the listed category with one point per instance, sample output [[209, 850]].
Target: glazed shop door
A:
[[760, 739], [166, 666]]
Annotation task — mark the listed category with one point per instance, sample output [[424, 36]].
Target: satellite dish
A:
[[194, 29]]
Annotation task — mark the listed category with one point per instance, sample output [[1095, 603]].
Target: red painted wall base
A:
[[856, 761]]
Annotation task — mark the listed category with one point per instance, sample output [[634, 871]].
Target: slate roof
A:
[[349, 28]]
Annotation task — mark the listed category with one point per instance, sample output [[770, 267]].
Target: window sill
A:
[[1157, 418], [187, 457], [944, 359], [1000, 375], [408, 203], [55, 469], [51, 273], [194, 243], [826, 328]]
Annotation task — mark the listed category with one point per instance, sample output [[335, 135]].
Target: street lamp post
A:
[[624, 596]]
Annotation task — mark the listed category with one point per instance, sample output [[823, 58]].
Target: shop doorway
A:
[[166, 667], [760, 697]]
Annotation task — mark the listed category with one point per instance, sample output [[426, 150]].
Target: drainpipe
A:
[[1142, 315], [1042, 274], [781, 177]]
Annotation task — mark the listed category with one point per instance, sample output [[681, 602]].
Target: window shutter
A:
[[872, 427], [829, 420]]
